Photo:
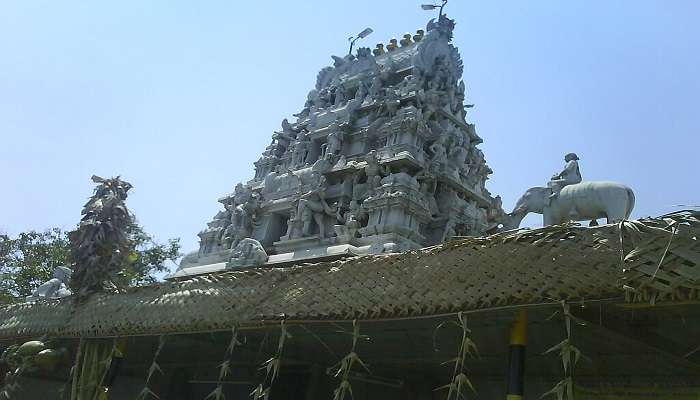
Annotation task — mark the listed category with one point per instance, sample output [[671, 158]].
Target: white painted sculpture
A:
[[55, 287], [567, 198]]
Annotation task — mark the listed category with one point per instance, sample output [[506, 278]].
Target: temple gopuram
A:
[[380, 159]]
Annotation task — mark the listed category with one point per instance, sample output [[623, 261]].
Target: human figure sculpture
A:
[[457, 102], [312, 207], [429, 101], [335, 140], [362, 91], [477, 167], [347, 218], [458, 154], [375, 89], [428, 186], [339, 95], [391, 104], [324, 98], [450, 229], [570, 175], [55, 287], [373, 170], [439, 151], [242, 215], [300, 149]]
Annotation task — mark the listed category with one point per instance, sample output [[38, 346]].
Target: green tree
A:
[[28, 260], [149, 258]]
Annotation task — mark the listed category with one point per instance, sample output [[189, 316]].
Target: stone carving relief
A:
[[248, 253], [242, 213], [312, 208]]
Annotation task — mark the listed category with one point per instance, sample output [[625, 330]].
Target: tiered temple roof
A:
[[380, 159]]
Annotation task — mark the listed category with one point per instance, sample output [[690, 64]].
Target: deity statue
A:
[[335, 140], [312, 207], [374, 171], [391, 104], [300, 149], [428, 186], [429, 102], [347, 217], [339, 92], [439, 151], [375, 89], [242, 211], [477, 167], [457, 102], [362, 91], [458, 153], [570, 175], [294, 225]]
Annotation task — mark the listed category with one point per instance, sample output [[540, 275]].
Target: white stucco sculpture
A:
[[570, 175], [55, 287], [565, 199], [247, 253]]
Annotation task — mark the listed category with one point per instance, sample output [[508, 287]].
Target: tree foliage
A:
[[29, 259]]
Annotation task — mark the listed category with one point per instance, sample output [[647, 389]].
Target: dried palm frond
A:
[[100, 246], [344, 366], [271, 366], [467, 348], [146, 392], [569, 355]]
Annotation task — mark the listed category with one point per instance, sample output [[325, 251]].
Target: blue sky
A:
[[181, 97]]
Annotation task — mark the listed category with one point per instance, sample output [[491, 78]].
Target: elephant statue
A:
[[577, 202]]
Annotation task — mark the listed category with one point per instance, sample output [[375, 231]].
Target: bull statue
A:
[[567, 198]]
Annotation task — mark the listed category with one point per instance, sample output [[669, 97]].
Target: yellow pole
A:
[[516, 360]]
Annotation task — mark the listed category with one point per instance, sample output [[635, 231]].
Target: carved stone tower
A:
[[379, 159]]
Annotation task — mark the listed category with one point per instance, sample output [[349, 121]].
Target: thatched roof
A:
[[647, 260]]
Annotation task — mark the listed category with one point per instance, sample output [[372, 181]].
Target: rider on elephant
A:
[[570, 175]]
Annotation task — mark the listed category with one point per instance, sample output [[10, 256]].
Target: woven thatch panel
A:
[[543, 265], [664, 261]]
